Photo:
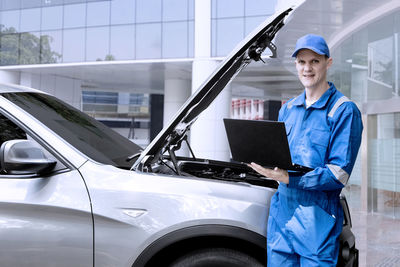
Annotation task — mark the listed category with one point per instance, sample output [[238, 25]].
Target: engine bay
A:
[[213, 169]]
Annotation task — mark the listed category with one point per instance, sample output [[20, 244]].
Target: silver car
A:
[[75, 193]]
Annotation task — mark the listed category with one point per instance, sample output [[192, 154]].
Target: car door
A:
[[44, 220]]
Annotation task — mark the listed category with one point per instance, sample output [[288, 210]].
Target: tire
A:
[[216, 257]]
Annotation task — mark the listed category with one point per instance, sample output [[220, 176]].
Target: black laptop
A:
[[263, 142]]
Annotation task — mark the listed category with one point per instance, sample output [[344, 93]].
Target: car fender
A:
[[209, 230]]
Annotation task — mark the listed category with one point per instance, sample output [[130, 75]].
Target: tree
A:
[[25, 48]]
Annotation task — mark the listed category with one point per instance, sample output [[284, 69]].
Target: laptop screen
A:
[[262, 142]]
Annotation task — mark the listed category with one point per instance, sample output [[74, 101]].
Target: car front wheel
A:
[[216, 257]]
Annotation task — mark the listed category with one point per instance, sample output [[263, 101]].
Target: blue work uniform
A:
[[306, 216]]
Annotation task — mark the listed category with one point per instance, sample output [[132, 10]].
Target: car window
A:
[[89, 136], [10, 131]]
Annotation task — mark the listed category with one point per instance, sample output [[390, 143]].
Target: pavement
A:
[[377, 238]]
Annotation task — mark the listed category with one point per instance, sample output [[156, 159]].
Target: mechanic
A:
[[324, 132]]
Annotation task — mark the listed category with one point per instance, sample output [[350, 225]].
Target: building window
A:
[[30, 19], [175, 40], [74, 45], [122, 12], [9, 45], [30, 3], [74, 16], [148, 11], [29, 44], [122, 42], [241, 15], [10, 19], [10, 4], [89, 30], [175, 10], [98, 13], [148, 45], [51, 47], [97, 44], [226, 38], [259, 7], [52, 18]]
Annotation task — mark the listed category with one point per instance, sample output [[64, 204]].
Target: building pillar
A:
[[176, 92], [365, 183], [207, 137]]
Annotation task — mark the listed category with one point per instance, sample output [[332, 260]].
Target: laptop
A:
[[263, 142]]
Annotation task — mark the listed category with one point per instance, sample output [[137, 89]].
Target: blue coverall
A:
[[306, 216]]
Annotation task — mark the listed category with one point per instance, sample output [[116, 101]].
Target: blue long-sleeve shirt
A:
[[325, 136]]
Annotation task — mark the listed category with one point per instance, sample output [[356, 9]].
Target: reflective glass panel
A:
[[94, 97], [148, 45], [9, 44], [97, 44], [397, 56], [380, 59], [29, 45], [30, 3], [228, 38], [51, 46], [123, 42], [10, 19], [175, 10], [384, 151], [214, 9], [148, 11], [30, 20], [175, 39], [98, 13], [252, 22], [356, 62], [191, 9], [52, 2], [214, 37], [52, 18], [74, 1], [74, 15], [230, 8], [74, 45], [191, 39], [122, 11], [259, 7], [10, 4]]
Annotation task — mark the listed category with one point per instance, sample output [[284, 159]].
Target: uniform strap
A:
[[339, 173], [338, 103], [290, 104]]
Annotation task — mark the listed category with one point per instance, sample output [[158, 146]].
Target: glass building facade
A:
[[367, 69], [241, 15], [64, 31]]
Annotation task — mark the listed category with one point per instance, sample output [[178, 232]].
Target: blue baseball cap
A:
[[313, 42]]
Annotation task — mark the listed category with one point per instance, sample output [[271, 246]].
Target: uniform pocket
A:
[[310, 229], [319, 137]]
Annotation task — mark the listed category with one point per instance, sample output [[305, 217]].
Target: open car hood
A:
[[246, 51]]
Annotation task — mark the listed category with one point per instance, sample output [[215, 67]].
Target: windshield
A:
[[89, 136]]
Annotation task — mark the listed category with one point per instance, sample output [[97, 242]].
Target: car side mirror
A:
[[24, 157]]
